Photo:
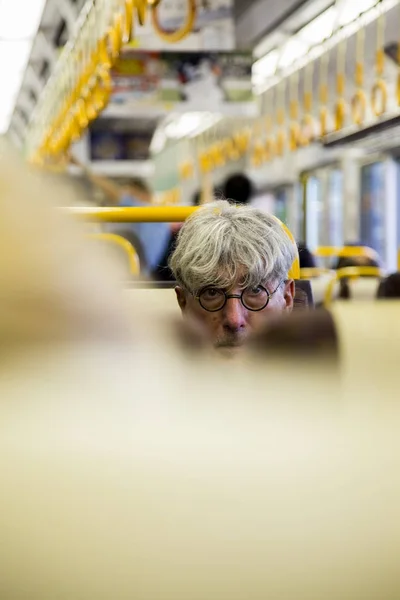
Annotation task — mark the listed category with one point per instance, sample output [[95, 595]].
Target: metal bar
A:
[[151, 214], [127, 247]]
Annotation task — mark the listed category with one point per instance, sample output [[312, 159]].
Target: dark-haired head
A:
[[238, 188], [390, 286], [307, 260]]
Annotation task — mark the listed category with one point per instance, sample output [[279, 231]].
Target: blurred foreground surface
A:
[[138, 465]]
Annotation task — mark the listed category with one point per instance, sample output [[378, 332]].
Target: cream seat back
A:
[[318, 286], [157, 301]]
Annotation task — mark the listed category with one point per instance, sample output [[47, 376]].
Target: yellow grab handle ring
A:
[[307, 134], [141, 9], [91, 110], [128, 24], [258, 154], [230, 150], [294, 136], [104, 53], [205, 162], [172, 37], [115, 38], [280, 143], [269, 149], [323, 120], [102, 91], [340, 114], [217, 155], [358, 107], [242, 141], [379, 98], [81, 115]]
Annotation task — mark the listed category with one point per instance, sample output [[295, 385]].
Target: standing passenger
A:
[[152, 237]]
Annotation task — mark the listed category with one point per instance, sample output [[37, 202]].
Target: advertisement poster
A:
[[118, 140], [190, 79], [213, 30]]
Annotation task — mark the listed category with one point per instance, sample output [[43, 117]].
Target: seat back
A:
[[303, 297], [362, 281], [160, 301], [364, 288]]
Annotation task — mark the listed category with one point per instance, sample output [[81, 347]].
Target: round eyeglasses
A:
[[256, 298]]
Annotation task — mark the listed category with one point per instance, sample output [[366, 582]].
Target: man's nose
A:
[[234, 314]]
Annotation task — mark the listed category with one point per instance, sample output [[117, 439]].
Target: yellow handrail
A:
[[346, 251], [151, 214], [113, 238], [157, 214], [349, 273], [294, 272], [311, 272]]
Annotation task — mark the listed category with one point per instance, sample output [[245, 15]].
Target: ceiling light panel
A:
[[19, 22], [318, 30], [348, 11]]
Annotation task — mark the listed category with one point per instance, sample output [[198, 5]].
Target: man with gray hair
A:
[[231, 264]]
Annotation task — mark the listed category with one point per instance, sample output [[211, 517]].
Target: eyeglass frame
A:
[[238, 296]]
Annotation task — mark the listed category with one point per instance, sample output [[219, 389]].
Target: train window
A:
[[335, 208], [398, 203], [372, 207]]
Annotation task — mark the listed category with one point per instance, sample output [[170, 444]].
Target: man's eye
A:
[[211, 292], [254, 291]]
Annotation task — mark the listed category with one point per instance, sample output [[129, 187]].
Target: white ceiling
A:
[[19, 22]]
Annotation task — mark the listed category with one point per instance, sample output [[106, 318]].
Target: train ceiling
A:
[[29, 47]]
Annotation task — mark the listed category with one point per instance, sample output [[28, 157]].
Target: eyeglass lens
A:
[[253, 298]]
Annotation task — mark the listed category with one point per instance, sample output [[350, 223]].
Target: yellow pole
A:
[[151, 214]]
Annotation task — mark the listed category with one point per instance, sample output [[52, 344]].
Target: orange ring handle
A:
[[358, 107], [340, 114], [183, 31], [379, 96], [294, 136]]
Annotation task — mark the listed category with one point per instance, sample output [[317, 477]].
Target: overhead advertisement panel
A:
[[183, 81]]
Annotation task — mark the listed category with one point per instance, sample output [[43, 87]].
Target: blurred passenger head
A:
[[238, 189], [134, 184], [306, 335], [352, 261], [306, 258], [356, 261], [232, 264], [196, 200], [390, 286]]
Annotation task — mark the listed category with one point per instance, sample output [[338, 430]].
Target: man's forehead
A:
[[241, 282]]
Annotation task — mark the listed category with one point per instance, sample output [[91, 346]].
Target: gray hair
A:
[[222, 243]]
